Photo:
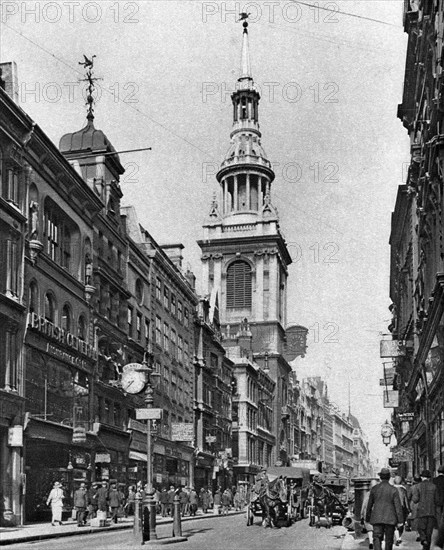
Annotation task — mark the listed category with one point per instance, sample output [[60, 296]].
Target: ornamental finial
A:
[[88, 64]]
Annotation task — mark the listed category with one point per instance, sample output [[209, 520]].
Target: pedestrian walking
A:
[[397, 482], [164, 502], [55, 499], [204, 499], [102, 500], [193, 501], [437, 542], [439, 482], [183, 495], [130, 502], [367, 525], [92, 501], [156, 498], [384, 511], [236, 501], [114, 502], [80, 504], [426, 497], [171, 494], [226, 501], [217, 500]]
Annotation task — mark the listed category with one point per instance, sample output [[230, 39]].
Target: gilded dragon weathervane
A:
[[88, 64]]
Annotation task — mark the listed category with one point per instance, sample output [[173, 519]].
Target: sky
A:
[[330, 78]]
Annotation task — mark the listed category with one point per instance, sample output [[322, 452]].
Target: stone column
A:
[[247, 200], [236, 195], [273, 298], [217, 282], [206, 274], [225, 201], [259, 300]]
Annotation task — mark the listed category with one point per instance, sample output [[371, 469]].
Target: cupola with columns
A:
[[245, 174]]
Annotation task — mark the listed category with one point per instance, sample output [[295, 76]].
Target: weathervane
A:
[[243, 17], [88, 64]]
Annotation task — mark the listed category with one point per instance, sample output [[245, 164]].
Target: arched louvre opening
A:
[[239, 285]]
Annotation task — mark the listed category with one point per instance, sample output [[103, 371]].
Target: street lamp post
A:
[[149, 400]]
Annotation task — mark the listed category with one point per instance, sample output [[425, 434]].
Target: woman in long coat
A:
[[55, 499]]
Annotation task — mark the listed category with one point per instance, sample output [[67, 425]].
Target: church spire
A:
[[245, 173], [245, 57]]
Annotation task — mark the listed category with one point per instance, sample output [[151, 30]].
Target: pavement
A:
[[42, 531], [352, 543]]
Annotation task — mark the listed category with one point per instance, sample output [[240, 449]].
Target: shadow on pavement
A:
[[191, 532]]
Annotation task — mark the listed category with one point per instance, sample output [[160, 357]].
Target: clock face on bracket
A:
[[386, 430], [133, 381]]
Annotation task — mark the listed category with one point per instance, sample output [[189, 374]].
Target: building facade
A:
[[213, 389], [416, 280]]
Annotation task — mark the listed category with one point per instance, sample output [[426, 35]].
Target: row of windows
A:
[[172, 304], [138, 326], [176, 387], [172, 343]]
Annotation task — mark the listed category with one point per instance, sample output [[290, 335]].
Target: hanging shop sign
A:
[[182, 431], [15, 436], [102, 457], [406, 416], [392, 348], [391, 399], [79, 434], [389, 376], [403, 454]]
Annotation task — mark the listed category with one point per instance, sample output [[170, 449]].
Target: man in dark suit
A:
[[426, 497], [439, 482], [384, 511]]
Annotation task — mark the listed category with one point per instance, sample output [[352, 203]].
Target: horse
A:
[[273, 496], [324, 502]]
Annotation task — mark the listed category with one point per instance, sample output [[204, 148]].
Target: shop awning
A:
[[135, 455]]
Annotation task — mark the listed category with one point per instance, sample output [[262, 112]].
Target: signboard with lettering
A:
[[149, 414], [182, 431], [406, 416], [391, 399], [102, 457], [15, 436], [392, 348], [403, 454], [389, 376], [79, 434]]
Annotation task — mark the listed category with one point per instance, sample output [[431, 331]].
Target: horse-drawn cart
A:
[[326, 508], [291, 503]]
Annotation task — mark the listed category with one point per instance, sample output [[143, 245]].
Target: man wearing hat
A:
[[384, 511], [427, 499], [439, 483]]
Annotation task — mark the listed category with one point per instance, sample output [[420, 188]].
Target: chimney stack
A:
[[9, 80]]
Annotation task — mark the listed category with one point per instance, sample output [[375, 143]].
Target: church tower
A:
[[245, 265]]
